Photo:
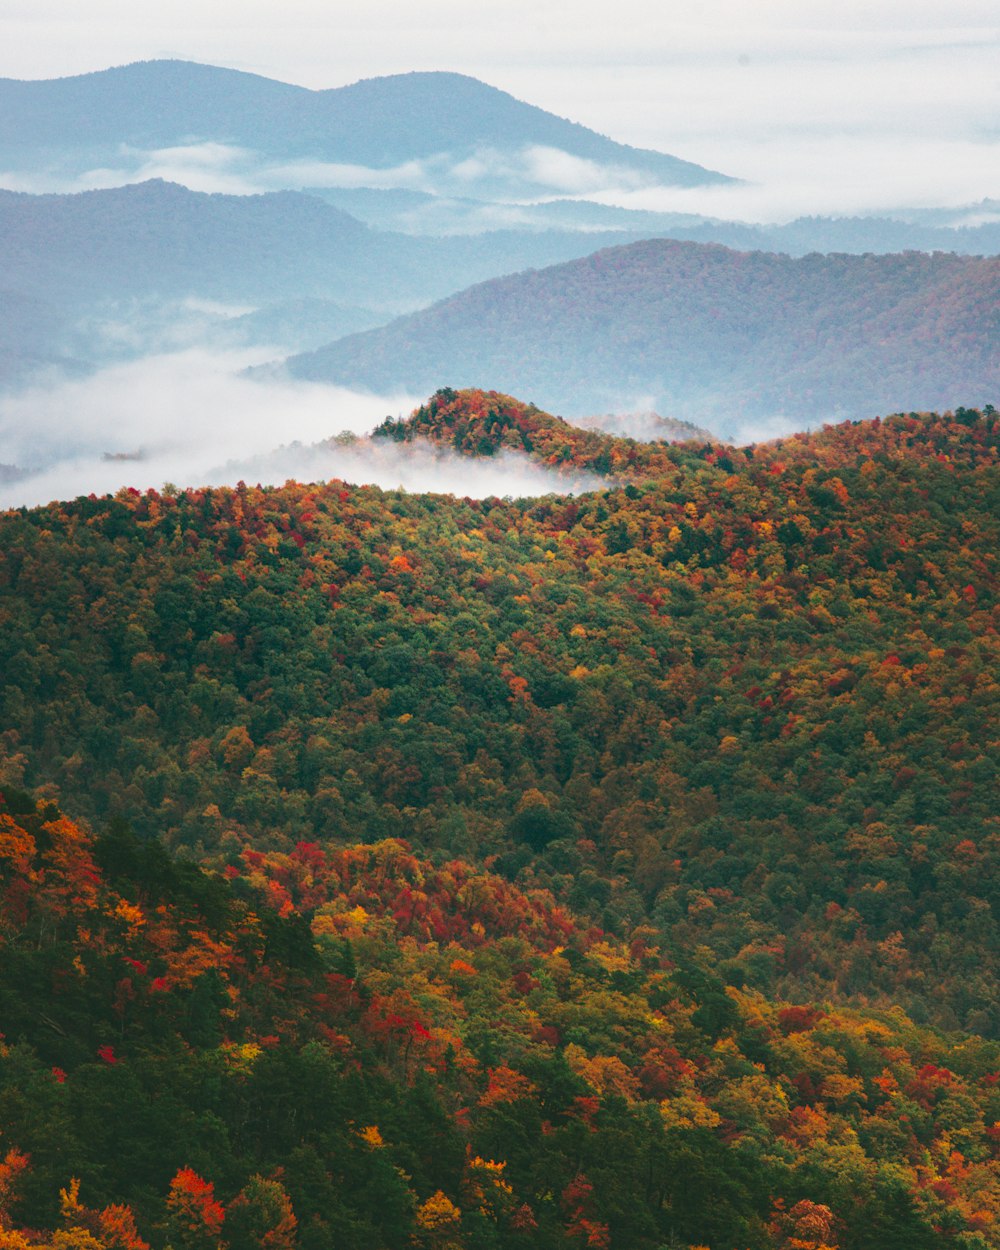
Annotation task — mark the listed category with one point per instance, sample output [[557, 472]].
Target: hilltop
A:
[[479, 423]]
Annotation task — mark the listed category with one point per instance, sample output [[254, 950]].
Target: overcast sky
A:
[[829, 104]]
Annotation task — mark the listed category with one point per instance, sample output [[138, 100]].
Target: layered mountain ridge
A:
[[77, 266], [444, 118], [706, 334]]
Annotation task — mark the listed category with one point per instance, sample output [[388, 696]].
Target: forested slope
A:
[[710, 335], [357, 1046], [747, 698], [610, 871]]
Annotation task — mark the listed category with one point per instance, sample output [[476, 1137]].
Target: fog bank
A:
[[189, 418]]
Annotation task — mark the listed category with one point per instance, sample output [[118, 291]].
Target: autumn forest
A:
[[615, 870]]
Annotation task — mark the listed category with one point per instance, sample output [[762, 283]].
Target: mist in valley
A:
[[125, 380], [190, 418]]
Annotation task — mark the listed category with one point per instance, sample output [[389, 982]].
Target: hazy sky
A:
[[829, 104]]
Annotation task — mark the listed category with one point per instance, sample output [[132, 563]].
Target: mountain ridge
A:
[[96, 254], [708, 334], [376, 122]]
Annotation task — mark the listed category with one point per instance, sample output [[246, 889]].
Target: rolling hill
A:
[[704, 333], [72, 263]]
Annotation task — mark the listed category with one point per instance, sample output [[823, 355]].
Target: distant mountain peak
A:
[[107, 118]]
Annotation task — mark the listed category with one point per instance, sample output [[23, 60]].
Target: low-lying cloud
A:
[[190, 418], [782, 177], [839, 175], [415, 467], [218, 167]]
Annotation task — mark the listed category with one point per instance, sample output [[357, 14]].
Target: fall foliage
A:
[[612, 871]]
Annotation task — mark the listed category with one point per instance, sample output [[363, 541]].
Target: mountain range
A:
[[605, 864], [96, 276], [449, 127], [133, 254]]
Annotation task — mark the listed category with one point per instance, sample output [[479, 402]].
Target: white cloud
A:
[[217, 167], [191, 419], [572, 175], [419, 466], [411, 175], [767, 429], [207, 167], [841, 175], [203, 166]]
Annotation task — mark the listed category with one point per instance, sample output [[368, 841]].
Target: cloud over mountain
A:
[[228, 130]]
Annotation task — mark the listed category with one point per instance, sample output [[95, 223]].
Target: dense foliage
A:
[[437, 1060], [748, 699], [594, 871]]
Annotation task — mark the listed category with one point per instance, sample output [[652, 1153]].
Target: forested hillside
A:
[[616, 871], [746, 698], [358, 1046], [700, 332]]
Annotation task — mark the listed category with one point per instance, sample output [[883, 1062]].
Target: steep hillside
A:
[[705, 334], [747, 698]]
